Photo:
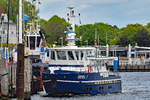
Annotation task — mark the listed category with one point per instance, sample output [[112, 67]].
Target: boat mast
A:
[[71, 30]]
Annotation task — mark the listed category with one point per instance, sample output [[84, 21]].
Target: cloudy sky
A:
[[114, 12]]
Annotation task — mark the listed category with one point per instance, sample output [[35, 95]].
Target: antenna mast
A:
[[71, 29]]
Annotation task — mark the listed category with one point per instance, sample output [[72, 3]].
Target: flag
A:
[[26, 17]]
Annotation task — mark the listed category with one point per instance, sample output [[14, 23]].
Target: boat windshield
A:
[[82, 55], [61, 55], [32, 43], [38, 41], [77, 55], [52, 55], [70, 55]]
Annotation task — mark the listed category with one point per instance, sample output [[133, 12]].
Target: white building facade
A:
[[4, 30]]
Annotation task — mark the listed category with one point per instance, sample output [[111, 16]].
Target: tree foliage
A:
[[123, 40], [14, 8], [104, 33], [54, 29], [142, 38], [99, 31]]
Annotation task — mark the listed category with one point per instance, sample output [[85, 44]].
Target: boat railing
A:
[[114, 73], [102, 58]]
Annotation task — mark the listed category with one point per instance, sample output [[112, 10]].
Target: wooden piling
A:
[[27, 78], [20, 72], [4, 78]]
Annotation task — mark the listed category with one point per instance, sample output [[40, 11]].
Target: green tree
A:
[[123, 41], [54, 29], [14, 8], [130, 30], [142, 38]]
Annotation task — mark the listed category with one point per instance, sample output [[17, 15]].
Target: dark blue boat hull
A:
[[66, 83]]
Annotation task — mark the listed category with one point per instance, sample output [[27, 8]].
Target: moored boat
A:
[[78, 70]]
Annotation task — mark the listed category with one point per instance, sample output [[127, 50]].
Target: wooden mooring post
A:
[[27, 78], [4, 79], [20, 72]]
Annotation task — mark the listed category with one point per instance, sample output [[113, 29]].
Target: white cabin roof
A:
[[73, 48]]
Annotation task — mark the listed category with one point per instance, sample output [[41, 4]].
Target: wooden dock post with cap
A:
[[20, 72]]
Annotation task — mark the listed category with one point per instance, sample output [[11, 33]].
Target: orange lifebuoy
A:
[[89, 68]]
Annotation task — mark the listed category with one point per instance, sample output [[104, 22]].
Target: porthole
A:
[[109, 87], [90, 88], [101, 88]]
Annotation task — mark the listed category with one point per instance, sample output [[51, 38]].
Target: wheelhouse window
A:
[[82, 54], [47, 54], [70, 55], [77, 54], [61, 55], [27, 41], [52, 55], [38, 41], [32, 43]]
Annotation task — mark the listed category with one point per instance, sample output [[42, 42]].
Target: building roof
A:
[[1, 10]]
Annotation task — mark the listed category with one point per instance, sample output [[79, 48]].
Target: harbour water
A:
[[135, 86]]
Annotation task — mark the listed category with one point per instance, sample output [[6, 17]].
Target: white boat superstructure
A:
[[71, 57], [77, 70]]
